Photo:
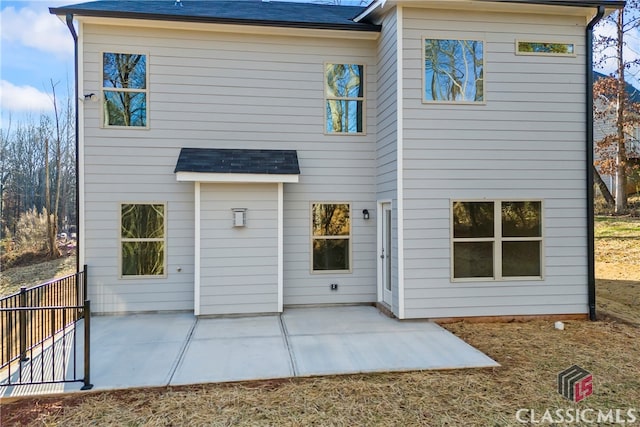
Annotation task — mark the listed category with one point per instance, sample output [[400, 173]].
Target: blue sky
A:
[[36, 47]]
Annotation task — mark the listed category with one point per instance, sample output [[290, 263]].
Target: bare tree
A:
[[4, 170], [52, 214], [37, 170], [612, 98]]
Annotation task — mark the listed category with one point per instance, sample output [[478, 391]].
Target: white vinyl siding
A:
[[204, 87], [386, 147], [238, 265], [526, 143]]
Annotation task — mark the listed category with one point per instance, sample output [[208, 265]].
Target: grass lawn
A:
[[12, 279], [618, 268], [531, 354]]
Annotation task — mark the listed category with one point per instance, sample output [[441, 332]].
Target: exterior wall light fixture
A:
[[239, 217]]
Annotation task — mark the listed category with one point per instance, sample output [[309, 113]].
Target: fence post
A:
[[87, 344], [22, 324], [85, 295]]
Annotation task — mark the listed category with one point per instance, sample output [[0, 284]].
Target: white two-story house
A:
[[431, 157]]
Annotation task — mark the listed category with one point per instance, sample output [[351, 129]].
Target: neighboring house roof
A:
[[632, 91], [247, 12], [214, 160]]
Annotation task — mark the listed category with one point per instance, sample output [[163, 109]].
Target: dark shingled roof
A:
[[243, 12], [214, 160]]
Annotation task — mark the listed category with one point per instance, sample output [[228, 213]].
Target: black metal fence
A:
[[39, 340]]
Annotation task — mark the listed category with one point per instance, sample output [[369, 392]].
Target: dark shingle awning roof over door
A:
[[237, 165]]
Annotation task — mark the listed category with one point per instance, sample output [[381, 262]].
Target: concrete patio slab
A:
[[162, 349], [361, 339], [346, 319], [138, 350], [233, 350]]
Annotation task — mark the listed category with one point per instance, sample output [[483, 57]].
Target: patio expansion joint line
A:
[[183, 351], [292, 357]]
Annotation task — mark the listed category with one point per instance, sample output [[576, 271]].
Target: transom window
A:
[[331, 236], [545, 48], [497, 239], [124, 89], [142, 239], [344, 98], [453, 70]]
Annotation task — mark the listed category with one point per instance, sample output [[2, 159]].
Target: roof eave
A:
[[237, 177], [616, 4], [613, 4], [362, 27]]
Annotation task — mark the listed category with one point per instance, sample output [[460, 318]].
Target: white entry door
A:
[[385, 253]]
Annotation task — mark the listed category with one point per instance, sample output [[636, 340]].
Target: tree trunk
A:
[[51, 237], [52, 214], [597, 179], [56, 211], [621, 157]]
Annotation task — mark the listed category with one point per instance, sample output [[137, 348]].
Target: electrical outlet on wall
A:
[[334, 286]]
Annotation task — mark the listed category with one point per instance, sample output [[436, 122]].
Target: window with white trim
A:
[[545, 48], [633, 148], [142, 239], [344, 98], [453, 70], [495, 240], [331, 237], [124, 90]]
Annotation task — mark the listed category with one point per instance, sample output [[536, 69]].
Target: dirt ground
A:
[[618, 291], [30, 275], [531, 355], [617, 254]]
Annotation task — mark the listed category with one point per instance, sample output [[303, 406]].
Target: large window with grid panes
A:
[[496, 240]]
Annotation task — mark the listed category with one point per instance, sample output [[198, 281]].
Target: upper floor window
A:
[[453, 70], [544, 48], [124, 89], [344, 97], [331, 237]]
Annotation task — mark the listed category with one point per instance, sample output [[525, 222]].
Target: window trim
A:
[[312, 237], [121, 240], [484, 68], [497, 240], [552, 54], [103, 89], [326, 98]]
